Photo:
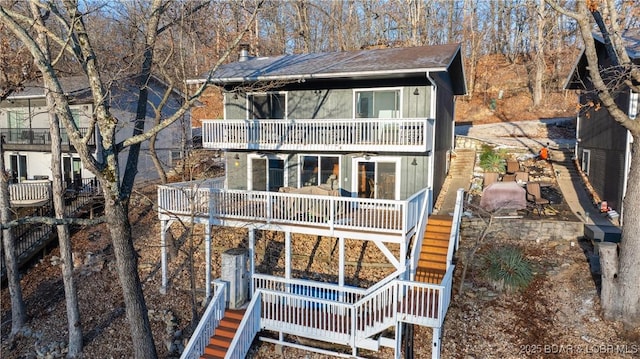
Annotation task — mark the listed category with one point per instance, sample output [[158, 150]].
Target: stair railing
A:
[[419, 236], [208, 323], [454, 239]]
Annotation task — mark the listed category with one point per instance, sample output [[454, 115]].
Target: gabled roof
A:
[[71, 85], [631, 39], [364, 64]]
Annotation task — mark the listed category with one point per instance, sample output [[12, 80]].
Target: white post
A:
[[341, 260], [207, 250], [252, 260], [163, 255], [435, 348], [287, 255], [398, 348]]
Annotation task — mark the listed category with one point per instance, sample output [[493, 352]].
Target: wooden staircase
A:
[[435, 245], [223, 335]]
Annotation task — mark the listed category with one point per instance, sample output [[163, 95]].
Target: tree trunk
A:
[[540, 67], [18, 311], [74, 324], [628, 281], [127, 260]]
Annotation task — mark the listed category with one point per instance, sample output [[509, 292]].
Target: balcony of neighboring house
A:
[[330, 135], [36, 139], [311, 210]]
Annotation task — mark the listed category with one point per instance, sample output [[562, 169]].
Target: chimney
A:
[[244, 52]]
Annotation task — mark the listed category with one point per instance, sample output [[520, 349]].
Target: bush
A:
[[507, 269], [491, 161]]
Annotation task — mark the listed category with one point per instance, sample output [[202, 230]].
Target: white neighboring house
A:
[[24, 127]]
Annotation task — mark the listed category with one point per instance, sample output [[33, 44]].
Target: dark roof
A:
[[578, 74], [377, 63], [631, 38], [70, 85]]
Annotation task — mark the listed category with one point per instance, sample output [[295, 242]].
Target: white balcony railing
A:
[[387, 134], [333, 212]]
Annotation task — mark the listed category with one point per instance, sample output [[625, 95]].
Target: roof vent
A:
[[244, 52]]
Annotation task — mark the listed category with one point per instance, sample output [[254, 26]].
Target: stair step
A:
[[209, 356], [432, 267], [230, 323], [225, 332], [220, 341], [433, 257], [440, 220], [434, 249], [215, 350], [438, 229], [437, 236], [234, 313]]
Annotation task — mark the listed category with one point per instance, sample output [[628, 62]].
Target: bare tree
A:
[[621, 300], [18, 310]]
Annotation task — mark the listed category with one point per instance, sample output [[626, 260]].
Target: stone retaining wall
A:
[[525, 229]]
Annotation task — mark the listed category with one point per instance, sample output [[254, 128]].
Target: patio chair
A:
[[534, 197], [522, 177], [489, 178], [512, 166]]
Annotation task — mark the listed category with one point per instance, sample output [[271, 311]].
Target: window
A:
[[376, 179], [586, 161], [18, 168], [378, 104], [267, 106], [317, 170], [17, 122], [633, 105]]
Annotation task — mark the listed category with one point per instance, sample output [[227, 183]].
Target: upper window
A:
[[633, 105], [378, 103], [267, 106]]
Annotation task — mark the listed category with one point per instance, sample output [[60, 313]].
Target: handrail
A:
[[454, 238], [419, 237], [247, 330], [208, 323]]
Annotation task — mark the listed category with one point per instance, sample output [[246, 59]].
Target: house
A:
[[350, 145], [24, 126], [603, 147]]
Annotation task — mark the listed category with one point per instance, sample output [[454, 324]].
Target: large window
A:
[[17, 122], [378, 103], [376, 179], [316, 170], [267, 106]]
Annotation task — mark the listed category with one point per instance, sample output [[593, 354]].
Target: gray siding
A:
[[443, 130]]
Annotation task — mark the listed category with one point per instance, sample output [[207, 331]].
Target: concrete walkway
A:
[[460, 175]]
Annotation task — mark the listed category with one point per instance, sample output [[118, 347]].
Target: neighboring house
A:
[[603, 147], [349, 145], [24, 126]]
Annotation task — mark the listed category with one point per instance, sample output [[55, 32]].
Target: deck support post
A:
[[164, 226], [287, 254], [207, 250], [252, 260], [435, 348], [397, 352], [341, 259]]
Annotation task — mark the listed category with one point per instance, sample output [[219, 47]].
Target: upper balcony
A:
[[36, 139], [356, 135]]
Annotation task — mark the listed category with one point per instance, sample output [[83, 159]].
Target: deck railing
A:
[[339, 314], [393, 134], [455, 226], [38, 136], [333, 212], [208, 323], [30, 191]]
